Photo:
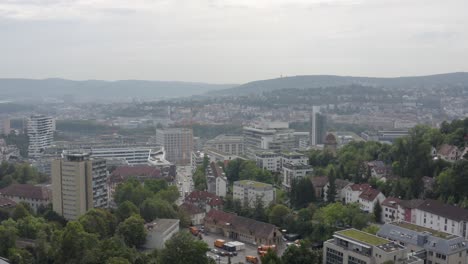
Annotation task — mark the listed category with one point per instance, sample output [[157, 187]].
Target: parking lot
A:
[[251, 250]]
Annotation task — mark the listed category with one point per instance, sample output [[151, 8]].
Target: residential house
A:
[[204, 200], [375, 169], [407, 210], [319, 183], [216, 180], [34, 196], [353, 191], [196, 214], [448, 153], [241, 228], [430, 245], [340, 186], [369, 198], [443, 217], [390, 211]]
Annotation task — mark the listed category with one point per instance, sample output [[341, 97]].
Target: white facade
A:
[[41, 134], [269, 161], [441, 223], [133, 155], [248, 191], [292, 172], [368, 205], [267, 136], [221, 186]]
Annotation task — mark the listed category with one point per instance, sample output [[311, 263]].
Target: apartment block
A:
[[293, 172], [352, 246], [178, 144], [40, 130], [79, 183], [249, 191], [430, 245], [273, 136]]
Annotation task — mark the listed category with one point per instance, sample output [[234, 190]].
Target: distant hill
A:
[[96, 90], [315, 81]]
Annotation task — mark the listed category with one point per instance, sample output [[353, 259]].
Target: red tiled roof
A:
[[360, 187], [27, 191], [140, 170], [217, 171], [191, 208], [369, 194], [6, 203], [391, 202], [240, 224], [200, 195]]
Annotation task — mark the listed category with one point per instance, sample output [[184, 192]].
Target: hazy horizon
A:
[[228, 41]]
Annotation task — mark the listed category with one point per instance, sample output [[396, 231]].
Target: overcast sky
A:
[[230, 41]]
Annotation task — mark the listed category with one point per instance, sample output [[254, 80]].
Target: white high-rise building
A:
[[79, 183], [41, 134], [271, 136]]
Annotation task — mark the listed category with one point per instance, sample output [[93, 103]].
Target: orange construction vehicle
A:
[[219, 243], [251, 259], [194, 230], [266, 248]]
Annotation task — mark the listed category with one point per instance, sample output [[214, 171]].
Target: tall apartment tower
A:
[[318, 123], [79, 183], [41, 134], [178, 144]]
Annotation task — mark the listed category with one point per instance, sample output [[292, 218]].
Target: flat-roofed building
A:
[[273, 136], [248, 192], [352, 246], [295, 172], [178, 144], [268, 160], [159, 231], [431, 245], [79, 183], [227, 143]]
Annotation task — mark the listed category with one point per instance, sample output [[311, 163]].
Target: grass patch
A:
[[423, 229], [363, 237]]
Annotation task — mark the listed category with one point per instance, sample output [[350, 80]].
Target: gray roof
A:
[[445, 210], [448, 246]]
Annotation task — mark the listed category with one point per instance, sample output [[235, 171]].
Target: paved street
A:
[[240, 258], [184, 182]]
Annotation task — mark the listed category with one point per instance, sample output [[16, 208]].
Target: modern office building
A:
[[352, 246], [228, 144], [178, 144], [79, 183], [318, 127], [431, 245], [249, 191], [267, 160], [40, 131], [273, 136]]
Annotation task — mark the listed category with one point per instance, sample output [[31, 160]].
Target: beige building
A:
[[228, 144], [249, 191], [178, 144], [352, 246], [79, 183]]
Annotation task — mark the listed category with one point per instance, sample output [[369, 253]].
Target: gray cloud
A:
[[230, 40]]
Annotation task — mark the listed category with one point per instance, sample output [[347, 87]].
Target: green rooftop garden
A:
[[363, 237], [423, 229], [254, 183]]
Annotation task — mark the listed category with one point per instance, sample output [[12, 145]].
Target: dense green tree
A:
[[125, 210], [132, 231], [20, 256], [132, 191], [377, 211], [183, 248], [171, 194], [277, 214], [29, 226], [300, 255], [8, 238], [74, 243], [301, 193], [100, 222], [155, 208], [20, 211], [155, 185], [115, 247], [259, 212], [117, 260], [271, 258], [331, 191]]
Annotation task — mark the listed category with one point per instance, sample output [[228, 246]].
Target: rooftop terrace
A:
[[363, 237]]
